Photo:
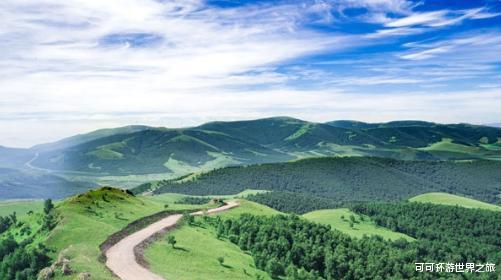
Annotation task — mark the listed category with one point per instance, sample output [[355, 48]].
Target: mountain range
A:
[[145, 150]]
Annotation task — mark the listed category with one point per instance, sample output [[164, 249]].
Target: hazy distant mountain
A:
[[16, 184], [13, 157], [82, 138], [143, 150], [493, 124]]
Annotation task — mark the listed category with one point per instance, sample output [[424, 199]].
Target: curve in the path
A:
[[120, 258]]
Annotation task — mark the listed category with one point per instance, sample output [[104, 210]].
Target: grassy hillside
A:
[[455, 200], [358, 226], [133, 155], [249, 207], [20, 207], [157, 151], [197, 250], [146, 150], [348, 179], [87, 220], [86, 137], [196, 254]]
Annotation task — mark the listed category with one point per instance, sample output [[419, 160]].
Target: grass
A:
[[88, 219], [169, 198], [334, 218], [20, 207], [196, 254], [450, 199], [197, 250], [304, 129], [181, 168], [447, 146], [250, 208], [26, 227]]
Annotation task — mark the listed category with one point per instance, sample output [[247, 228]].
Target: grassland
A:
[[249, 207], [450, 199], [448, 149], [339, 219], [88, 219], [196, 254], [168, 198], [20, 207], [197, 251]]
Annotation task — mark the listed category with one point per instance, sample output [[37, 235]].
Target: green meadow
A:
[[88, 219], [21, 207], [454, 200], [196, 253], [339, 219]]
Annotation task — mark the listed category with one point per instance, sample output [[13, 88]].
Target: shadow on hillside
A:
[[181, 249]]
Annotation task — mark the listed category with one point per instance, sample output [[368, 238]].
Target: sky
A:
[[72, 66]]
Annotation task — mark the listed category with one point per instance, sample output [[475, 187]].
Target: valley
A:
[[132, 155], [315, 201]]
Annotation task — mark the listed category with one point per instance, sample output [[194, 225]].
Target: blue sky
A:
[[73, 66]]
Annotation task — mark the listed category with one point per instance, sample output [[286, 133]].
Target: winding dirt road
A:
[[121, 259]]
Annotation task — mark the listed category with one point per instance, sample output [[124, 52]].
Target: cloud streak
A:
[[77, 65]]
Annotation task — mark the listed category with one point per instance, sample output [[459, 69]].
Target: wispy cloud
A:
[[440, 18], [85, 64]]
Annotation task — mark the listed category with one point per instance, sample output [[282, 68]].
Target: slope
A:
[[352, 224], [455, 200], [147, 150], [196, 253], [347, 179], [156, 151], [88, 219]]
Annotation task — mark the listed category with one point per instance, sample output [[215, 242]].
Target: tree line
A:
[[22, 260], [287, 246], [348, 179]]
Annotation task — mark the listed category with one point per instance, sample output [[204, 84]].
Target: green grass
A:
[[26, 227], [300, 132], [446, 145], [450, 199], [198, 250], [333, 217], [169, 198], [20, 207], [195, 257], [250, 208], [88, 219]]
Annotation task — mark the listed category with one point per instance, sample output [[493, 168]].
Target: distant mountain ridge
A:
[[147, 150]]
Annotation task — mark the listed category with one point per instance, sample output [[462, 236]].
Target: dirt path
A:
[[121, 259]]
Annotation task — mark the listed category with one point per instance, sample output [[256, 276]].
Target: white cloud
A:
[[440, 18], [482, 49], [63, 69]]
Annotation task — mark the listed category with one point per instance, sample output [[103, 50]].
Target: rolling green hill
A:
[[196, 257], [21, 207], [132, 155], [198, 249], [358, 226], [88, 219], [147, 150], [83, 138], [347, 179], [157, 151], [454, 200]]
